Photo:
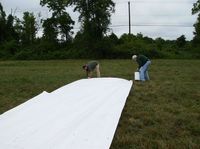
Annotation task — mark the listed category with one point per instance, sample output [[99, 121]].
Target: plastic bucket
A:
[[137, 75]]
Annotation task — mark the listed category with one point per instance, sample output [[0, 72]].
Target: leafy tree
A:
[[62, 22], [196, 7], [29, 28], [195, 10], [57, 6], [94, 16], [50, 31], [18, 27], [127, 38], [114, 39], [2, 24], [181, 41], [148, 40], [139, 35], [11, 34], [159, 43], [9, 25], [196, 38]]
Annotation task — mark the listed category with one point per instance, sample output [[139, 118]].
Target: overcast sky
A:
[[168, 19]]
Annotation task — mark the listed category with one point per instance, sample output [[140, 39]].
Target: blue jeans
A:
[[144, 71]]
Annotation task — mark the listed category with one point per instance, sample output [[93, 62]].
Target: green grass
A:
[[161, 113]]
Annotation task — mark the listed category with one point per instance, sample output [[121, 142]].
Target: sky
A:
[[168, 19]]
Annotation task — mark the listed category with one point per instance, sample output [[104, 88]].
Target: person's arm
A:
[[139, 63], [89, 74], [86, 73]]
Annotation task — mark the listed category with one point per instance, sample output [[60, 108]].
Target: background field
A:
[[161, 113]]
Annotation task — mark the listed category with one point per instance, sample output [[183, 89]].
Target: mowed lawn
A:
[[161, 113]]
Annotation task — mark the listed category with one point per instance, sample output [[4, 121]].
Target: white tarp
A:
[[80, 115]]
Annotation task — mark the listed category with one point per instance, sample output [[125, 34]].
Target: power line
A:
[[154, 25], [155, 15], [157, 1], [147, 25]]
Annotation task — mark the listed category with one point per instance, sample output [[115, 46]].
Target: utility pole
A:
[[87, 4], [129, 16]]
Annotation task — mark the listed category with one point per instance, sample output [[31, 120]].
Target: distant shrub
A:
[[25, 55], [110, 47], [8, 49]]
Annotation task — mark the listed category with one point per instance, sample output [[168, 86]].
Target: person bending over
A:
[[143, 66], [90, 67]]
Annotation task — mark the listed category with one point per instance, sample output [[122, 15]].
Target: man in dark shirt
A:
[[90, 67], [143, 65]]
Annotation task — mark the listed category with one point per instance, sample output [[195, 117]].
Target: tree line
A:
[[18, 38]]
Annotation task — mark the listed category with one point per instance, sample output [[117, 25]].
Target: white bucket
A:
[[137, 75]]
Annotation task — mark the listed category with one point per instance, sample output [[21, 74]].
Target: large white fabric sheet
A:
[[80, 115]]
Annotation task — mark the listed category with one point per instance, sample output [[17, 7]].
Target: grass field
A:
[[162, 113]]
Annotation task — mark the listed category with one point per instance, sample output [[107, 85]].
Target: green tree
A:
[[196, 33], [57, 6], [181, 41], [196, 7], [11, 33], [139, 35], [195, 10], [94, 16], [50, 31], [18, 27], [62, 22], [159, 43], [29, 28], [12, 37], [2, 24], [114, 39]]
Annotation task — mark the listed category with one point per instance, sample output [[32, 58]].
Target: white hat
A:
[[134, 57]]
